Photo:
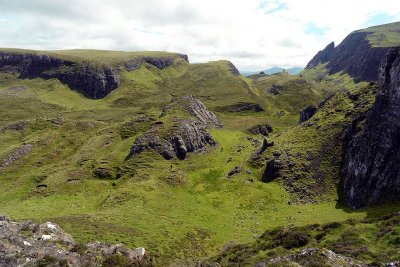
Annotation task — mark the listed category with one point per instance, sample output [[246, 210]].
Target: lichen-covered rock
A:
[[196, 108], [312, 257], [29, 244], [187, 134], [16, 155], [371, 168]]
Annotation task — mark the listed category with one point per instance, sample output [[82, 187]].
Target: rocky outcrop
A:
[[272, 170], [197, 109], [371, 168], [312, 257], [263, 129], [190, 135], [354, 56], [187, 134], [275, 89], [159, 62], [30, 244], [322, 56], [307, 113], [16, 155], [94, 80]]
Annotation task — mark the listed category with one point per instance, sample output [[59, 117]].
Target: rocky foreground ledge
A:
[[29, 244]]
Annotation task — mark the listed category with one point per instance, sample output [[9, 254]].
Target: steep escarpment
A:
[[94, 81], [371, 165], [354, 56], [181, 134], [92, 78], [322, 56]]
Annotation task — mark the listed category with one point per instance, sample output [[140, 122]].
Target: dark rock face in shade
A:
[[354, 56], [307, 113], [92, 80], [371, 166], [322, 56]]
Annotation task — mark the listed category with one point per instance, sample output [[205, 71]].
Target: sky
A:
[[252, 34]]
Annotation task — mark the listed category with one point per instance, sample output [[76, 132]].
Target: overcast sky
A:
[[253, 34]]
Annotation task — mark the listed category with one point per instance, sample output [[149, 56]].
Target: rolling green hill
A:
[[78, 174]]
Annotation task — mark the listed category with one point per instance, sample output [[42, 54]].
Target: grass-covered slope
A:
[[371, 241], [387, 35], [77, 172]]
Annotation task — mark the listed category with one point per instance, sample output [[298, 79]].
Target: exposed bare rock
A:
[[272, 170], [275, 89], [322, 56], [354, 56], [94, 80], [234, 171], [263, 129], [29, 244], [371, 166], [197, 109], [313, 257], [160, 63], [15, 126], [16, 155], [307, 113], [187, 134]]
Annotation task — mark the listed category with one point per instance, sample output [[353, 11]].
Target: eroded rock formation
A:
[[322, 56], [371, 167], [184, 134], [94, 80], [354, 56]]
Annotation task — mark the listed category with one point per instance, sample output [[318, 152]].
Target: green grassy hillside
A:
[[181, 211], [387, 35]]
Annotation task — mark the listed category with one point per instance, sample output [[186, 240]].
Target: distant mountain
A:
[[274, 70]]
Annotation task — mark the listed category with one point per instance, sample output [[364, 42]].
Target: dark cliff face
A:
[[322, 56], [91, 80], [371, 167], [354, 56]]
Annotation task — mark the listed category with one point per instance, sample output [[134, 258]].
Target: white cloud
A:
[[253, 34]]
